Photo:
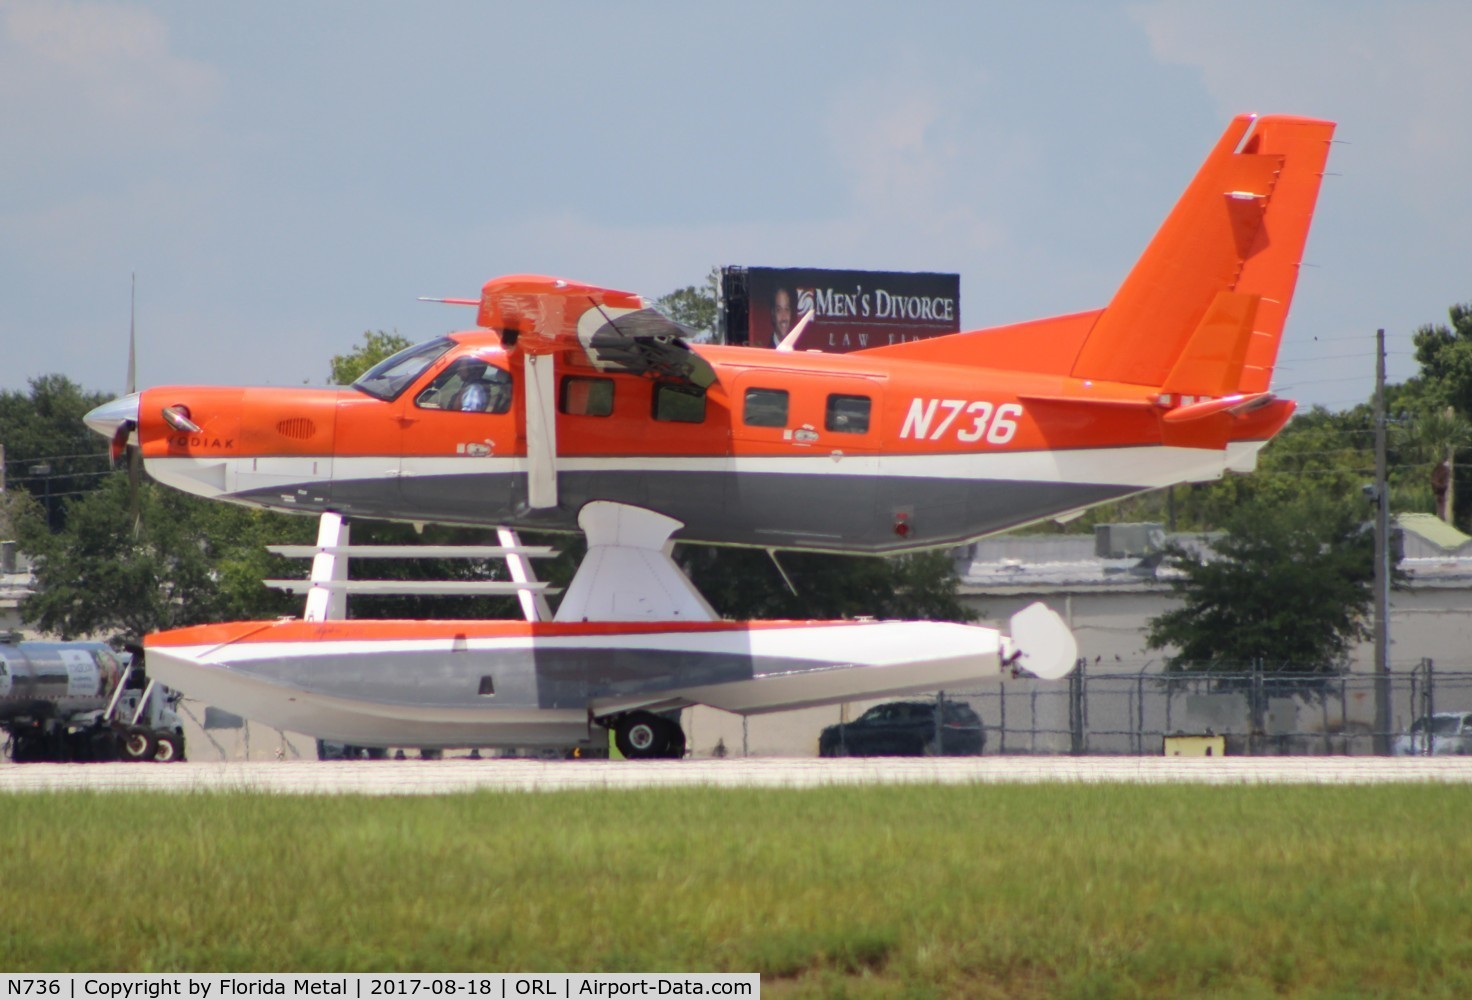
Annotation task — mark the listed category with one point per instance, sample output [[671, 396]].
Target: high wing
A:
[[615, 331], [542, 317]]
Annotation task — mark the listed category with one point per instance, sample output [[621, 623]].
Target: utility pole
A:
[[1451, 470], [1382, 560]]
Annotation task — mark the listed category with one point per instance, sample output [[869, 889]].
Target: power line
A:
[[1349, 471], [62, 475], [1319, 381], [39, 459], [69, 493], [1339, 357]]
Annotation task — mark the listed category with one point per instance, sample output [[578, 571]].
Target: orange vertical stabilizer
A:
[[1202, 312]]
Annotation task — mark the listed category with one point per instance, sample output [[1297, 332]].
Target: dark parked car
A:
[[906, 729]]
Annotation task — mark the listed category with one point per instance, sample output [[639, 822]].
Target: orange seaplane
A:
[[574, 407]]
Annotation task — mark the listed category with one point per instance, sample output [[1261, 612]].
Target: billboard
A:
[[852, 310]]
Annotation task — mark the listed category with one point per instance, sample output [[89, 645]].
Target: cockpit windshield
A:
[[391, 376]]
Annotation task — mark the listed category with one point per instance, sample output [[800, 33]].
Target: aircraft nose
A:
[[108, 417]]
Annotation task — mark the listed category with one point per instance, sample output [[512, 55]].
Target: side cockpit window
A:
[[847, 414], [680, 403], [390, 377], [470, 385], [765, 408], [586, 397]]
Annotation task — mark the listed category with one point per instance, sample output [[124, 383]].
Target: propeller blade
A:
[[119, 443], [135, 479]]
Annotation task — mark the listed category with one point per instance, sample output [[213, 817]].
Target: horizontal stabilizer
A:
[[1232, 405]]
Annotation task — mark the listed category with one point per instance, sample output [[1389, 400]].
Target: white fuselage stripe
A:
[[1143, 466]]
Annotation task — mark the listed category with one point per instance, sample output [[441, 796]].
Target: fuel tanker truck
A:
[[81, 701]]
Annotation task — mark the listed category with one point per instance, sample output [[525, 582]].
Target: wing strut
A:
[[329, 566], [541, 432], [328, 587], [533, 603]]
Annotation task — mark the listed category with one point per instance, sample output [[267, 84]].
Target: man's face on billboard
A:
[[781, 314]]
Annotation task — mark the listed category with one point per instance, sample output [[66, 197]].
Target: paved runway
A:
[[415, 777]]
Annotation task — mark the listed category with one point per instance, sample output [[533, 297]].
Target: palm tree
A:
[[1434, 435]]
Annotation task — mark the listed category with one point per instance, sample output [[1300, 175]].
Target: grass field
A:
[[985, 891]]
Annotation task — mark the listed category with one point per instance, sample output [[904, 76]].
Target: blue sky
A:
[[284, 176]]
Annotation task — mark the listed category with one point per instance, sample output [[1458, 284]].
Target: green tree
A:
[[1320, 456], [1427, 442], [376, 346], [693, 305], [1287, 585], [1445, 356], [183, 561], [49, 452], [1432, 410]]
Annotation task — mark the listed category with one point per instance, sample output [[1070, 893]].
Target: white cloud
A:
[[92, 80]]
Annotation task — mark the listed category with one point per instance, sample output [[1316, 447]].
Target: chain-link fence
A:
[[1260, 712]]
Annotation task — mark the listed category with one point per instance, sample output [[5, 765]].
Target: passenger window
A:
[[469, 385], [847, 414], [683, 404], [765, 408], [587, 397]]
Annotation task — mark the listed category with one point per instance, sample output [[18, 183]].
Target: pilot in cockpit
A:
[[475, 394], [486, 389], [470, 385]]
